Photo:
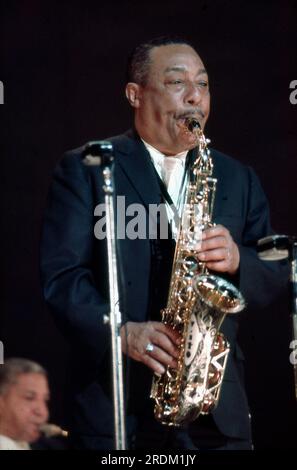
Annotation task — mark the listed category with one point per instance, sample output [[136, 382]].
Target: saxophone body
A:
[[197, 304]]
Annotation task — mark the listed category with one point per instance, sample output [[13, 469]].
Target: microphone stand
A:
[[274, 248], [293, 345], [100, 154]]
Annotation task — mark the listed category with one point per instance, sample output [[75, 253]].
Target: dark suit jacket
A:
[[74, 275]]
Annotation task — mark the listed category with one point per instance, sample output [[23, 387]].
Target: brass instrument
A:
[[196, 307], [52, 430]]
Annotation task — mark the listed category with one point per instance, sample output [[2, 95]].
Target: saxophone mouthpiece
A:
[[52, 430], [192, 124]]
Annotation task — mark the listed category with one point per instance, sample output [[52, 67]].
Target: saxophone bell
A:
[[218, 293]]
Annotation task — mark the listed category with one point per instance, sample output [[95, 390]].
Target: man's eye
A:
[[29, 398], [176, 82], [202, 84]]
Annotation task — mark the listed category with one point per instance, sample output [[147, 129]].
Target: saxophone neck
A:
[[203, 162]]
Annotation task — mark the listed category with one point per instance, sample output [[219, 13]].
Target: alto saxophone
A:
[[197, 304]]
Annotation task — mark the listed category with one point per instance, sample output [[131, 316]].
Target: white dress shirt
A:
[[171, 171], [6, 443]]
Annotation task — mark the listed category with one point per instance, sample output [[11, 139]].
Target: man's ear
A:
[[133, 94]]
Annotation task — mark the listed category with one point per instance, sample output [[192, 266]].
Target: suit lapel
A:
[[134, 160]]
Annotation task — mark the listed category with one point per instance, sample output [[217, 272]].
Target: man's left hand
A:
[[219, 251]]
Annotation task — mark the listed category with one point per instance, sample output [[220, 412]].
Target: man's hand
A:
[[219, 251], [136, 336]]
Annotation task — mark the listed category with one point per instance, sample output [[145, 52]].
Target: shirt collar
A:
[[159, 157]]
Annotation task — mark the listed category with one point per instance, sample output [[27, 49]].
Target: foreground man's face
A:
[[176, 88]]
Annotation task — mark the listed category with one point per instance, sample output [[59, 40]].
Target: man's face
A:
[[23, 407], [176, 88]]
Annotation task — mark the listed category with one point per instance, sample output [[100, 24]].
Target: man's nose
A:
[[193, 94], [41, 409]]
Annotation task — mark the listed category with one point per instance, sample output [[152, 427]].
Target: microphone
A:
[[98, 153]]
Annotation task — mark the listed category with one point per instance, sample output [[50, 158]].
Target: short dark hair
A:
[[13, 367], [139, 60]]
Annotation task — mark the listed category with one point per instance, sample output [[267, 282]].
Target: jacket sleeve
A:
[[66, 255], [260, 281]]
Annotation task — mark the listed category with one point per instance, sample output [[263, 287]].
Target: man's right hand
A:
[[136, 336]]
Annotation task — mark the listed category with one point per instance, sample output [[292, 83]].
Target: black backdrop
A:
[[62, 65]]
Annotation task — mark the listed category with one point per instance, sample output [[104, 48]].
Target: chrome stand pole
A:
[[293, 345], [100, 153]]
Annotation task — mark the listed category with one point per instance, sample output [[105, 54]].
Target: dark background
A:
[[62, 65]]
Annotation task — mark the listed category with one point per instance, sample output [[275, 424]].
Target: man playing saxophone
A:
[[167, 84]]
